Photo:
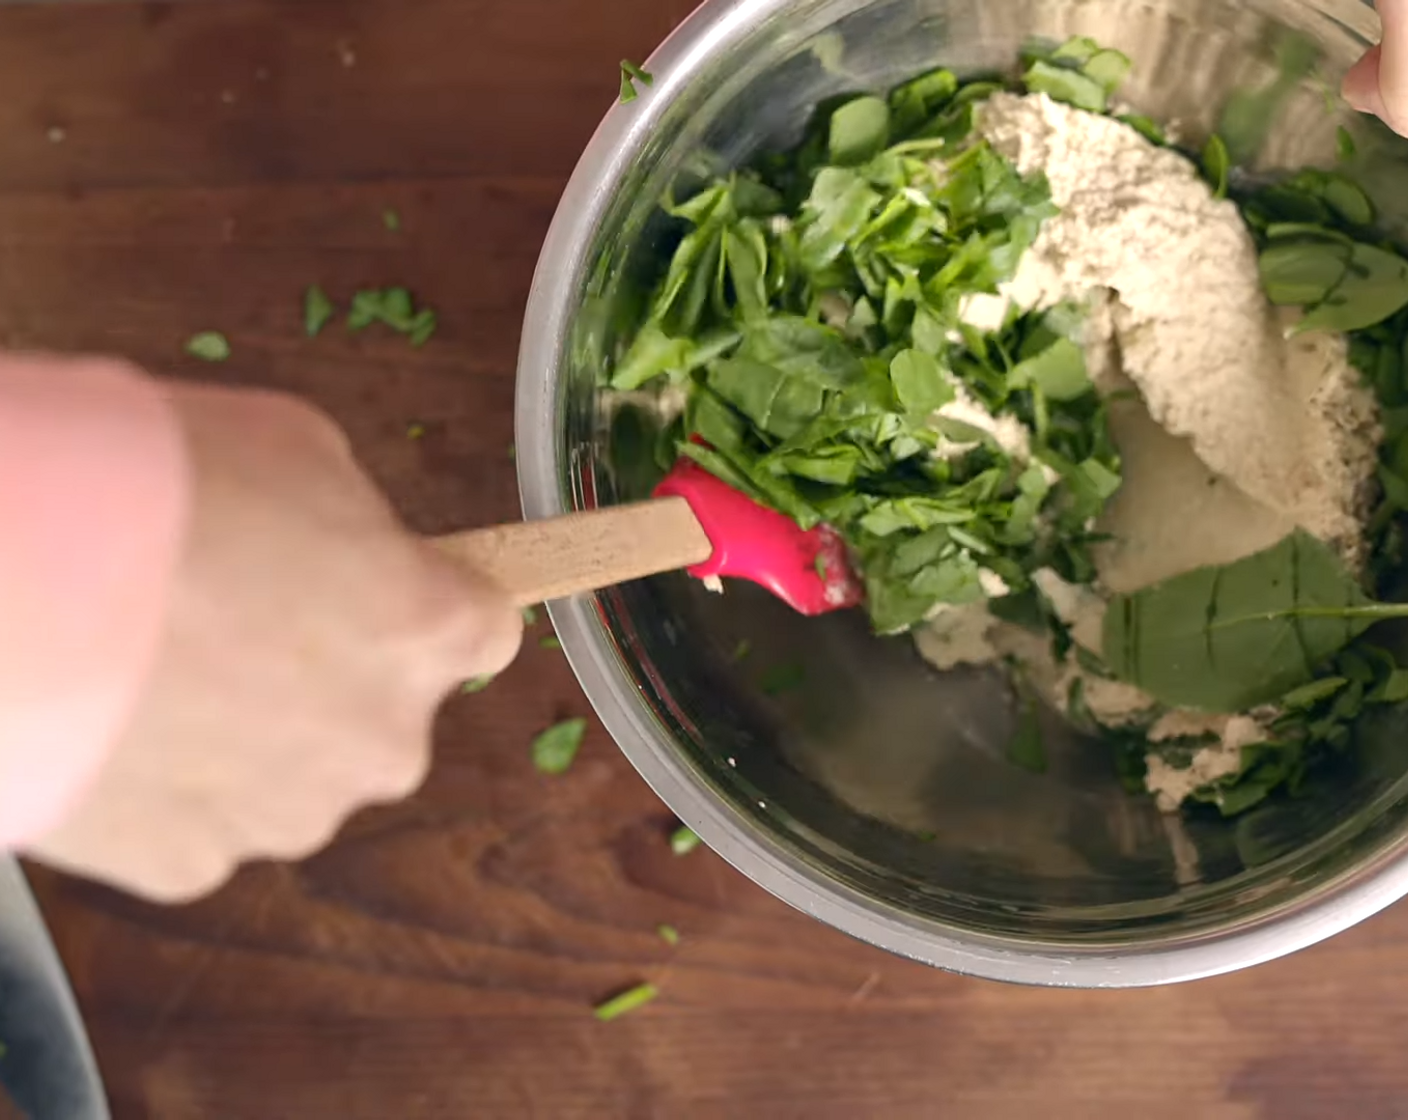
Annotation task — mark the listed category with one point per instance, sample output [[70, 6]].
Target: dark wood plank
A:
[[440, 959]]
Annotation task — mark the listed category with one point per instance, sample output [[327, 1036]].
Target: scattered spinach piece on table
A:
[[629, 1000], [683, 840], [668, 934], [555, 749], [318, 309], [208, 346], [395, 308]]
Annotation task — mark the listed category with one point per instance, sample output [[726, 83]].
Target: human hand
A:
[[1378, 82], [307, 643]]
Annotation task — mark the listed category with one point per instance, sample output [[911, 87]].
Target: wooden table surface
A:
[[174, 167]]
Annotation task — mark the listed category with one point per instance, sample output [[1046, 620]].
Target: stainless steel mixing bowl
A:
[[876, 796]]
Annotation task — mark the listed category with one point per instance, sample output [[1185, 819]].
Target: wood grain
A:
[[542, 560], [440, 960]]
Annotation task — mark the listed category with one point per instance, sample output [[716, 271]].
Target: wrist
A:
[[93, 493]]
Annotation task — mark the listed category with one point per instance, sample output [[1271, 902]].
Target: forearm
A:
[[93, 494]]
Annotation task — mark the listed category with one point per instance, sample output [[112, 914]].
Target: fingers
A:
[[1361, 84], [480, 630], [1393, 63], [1378, 82]]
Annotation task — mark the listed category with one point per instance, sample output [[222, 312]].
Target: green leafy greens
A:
[[555, 749], [208, 346], [683, 840], [395, 308], [1286, 627], [630, 1000], [1228, 638], [630, 74], [1079, 72], [813, 308], [317, 310]]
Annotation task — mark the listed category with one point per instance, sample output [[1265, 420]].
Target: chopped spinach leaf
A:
[[1228, 638], [208, 346], [630, 1000], [812, 309], [1345, 144], [1216, 165], [555, 748], [630, 74], [317, 310], [683, 840]]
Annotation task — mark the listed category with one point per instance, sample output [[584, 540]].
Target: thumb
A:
[[480, 630]]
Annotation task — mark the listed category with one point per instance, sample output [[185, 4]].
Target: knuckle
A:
[[402, 772]]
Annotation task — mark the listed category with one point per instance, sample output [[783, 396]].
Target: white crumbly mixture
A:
[[1239, 433], [1008, 432], [1286, 421], [1171, 785]]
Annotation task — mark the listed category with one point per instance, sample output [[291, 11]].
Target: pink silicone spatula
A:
[[695, 522]]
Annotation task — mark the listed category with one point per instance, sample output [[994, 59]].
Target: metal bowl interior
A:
[[877, 795]]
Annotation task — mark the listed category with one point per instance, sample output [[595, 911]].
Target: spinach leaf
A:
[[1248, 115], [859, 130], [1079, 72], [1025, 748], [1373, 287], [684, 840], [394, 307], [1058, 371], [1344, 140], [208, 346], [919, 383], [1216, 165], [1147, 127], [630, 74], [811, 310], [1303, 272], [1070, 86], [1228, 638], [632, 999], [317, 310], [915, 102], [555, 749]]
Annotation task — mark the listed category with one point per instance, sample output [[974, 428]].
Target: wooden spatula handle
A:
[[538, 560]]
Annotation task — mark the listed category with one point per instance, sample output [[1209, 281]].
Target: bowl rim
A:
[[1329, 908]]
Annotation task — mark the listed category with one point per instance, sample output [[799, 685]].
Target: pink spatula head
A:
[[806, 568]]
